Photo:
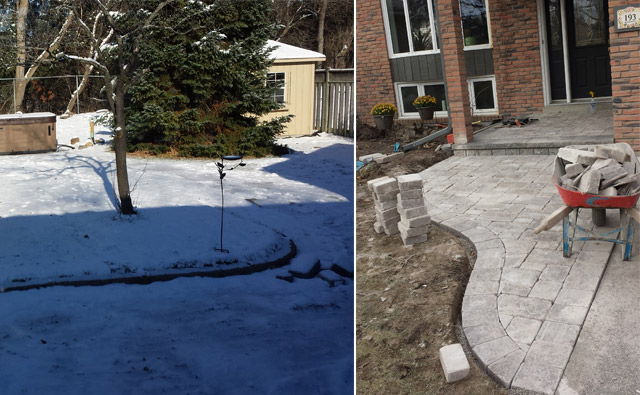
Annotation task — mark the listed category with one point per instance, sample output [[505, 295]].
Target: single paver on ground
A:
[[525, 303]]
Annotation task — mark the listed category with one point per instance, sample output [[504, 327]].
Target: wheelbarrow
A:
[[576, 200]]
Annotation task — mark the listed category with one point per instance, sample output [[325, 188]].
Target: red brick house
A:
[[502, 58]]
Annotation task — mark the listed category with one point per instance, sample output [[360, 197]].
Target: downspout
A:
[[448, 129]]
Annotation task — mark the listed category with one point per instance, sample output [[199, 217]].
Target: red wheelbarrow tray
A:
[[580, 199]]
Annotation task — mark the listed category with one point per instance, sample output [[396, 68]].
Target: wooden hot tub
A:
[[21, 133]]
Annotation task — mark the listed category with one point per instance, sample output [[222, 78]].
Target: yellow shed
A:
[[293, 73]]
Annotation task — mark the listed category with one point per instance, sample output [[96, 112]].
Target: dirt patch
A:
[[408, 298]]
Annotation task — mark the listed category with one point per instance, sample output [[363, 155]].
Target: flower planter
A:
[[426, 114], [383, 122]]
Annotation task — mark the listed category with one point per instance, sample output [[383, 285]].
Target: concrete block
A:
[[573, 155], [454, 363], [494, 350], [523, 306], [546, 290], [536, 377], [410, 203], [411, 194], [407, 232], [409, 182], [378, 228], [388, 158], [412, 212], [75, 140], [385, 185], [389, 204], [611, 174], [391, 230], [504, 369], [590, 182], [384, 215], [549, 353], [554, 273], [611, 151], [558, 333], [416, 222], [574, 315], [573, 169], [376, 180], [523, 330], [602, 163], [611, 191], [522, 277], [385, 197], [369, 158], [575, 297], [480, 334], [415, 240], [630, 167], [388, 222]]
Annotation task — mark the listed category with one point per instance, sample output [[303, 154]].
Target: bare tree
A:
[[22, 77], [115, 82]]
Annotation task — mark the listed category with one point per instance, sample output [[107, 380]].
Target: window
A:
[[475, 23], [277, 81], [482, 92], [408, 92], [409, 26]]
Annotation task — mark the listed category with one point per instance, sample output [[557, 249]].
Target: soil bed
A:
[[408, 298]]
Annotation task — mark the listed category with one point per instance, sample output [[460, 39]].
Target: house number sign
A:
[[627, 17]]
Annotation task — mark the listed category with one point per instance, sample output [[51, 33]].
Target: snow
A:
[[237, 334], [286, 51]]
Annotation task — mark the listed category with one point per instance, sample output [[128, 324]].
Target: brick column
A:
[[373, 72], [456, 70], [624, 48], [516, 56]]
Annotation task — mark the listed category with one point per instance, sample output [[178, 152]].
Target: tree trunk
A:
[[321, 17], [21, 53], [120, 140], [80, 89]]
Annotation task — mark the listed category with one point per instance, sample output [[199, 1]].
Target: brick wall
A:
[[516, 56], [624, 50], [373, 72], [453, 54]]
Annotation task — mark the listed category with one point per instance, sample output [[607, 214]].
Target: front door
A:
[[588, 47]]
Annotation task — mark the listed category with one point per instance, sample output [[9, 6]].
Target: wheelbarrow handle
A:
[[553, 219]]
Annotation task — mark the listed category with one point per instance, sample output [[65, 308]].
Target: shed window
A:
[[277, 81], [409, 26], [475, 22]]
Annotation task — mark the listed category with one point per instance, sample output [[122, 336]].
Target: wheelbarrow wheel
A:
[[598, 216]]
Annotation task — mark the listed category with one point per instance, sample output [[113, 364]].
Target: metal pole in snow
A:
[[15, 105], [77, 97]]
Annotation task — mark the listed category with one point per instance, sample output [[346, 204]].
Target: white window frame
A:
[[472, 96], [402, 114], [479, 46], [284, 88], [387, 31]]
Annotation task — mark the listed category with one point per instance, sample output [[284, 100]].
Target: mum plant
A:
[[426, 101], [383, 109]]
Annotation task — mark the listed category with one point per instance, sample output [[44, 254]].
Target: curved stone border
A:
[[144, 280]]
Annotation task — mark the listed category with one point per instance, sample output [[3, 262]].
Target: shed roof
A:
[[286, 52]]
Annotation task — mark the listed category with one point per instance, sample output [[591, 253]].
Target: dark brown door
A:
[[588, 34], [588, 39]]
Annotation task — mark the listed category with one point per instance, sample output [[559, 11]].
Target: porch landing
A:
[[557, 126]]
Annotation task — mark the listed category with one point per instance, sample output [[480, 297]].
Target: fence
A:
[[39, 97], [334, 102]]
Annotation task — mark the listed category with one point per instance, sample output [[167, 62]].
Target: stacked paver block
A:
[[385, 191], [414, 218]]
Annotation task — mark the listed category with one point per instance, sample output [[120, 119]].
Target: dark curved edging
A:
[[144, 280]]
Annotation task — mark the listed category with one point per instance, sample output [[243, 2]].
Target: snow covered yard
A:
[[238, 334]]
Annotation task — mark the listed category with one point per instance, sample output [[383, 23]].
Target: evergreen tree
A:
[[199, 84]]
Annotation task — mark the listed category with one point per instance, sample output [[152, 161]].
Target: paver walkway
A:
[[525, 304]]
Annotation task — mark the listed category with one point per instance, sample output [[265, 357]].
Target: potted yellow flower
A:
[[426, 106], [383, 115]]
